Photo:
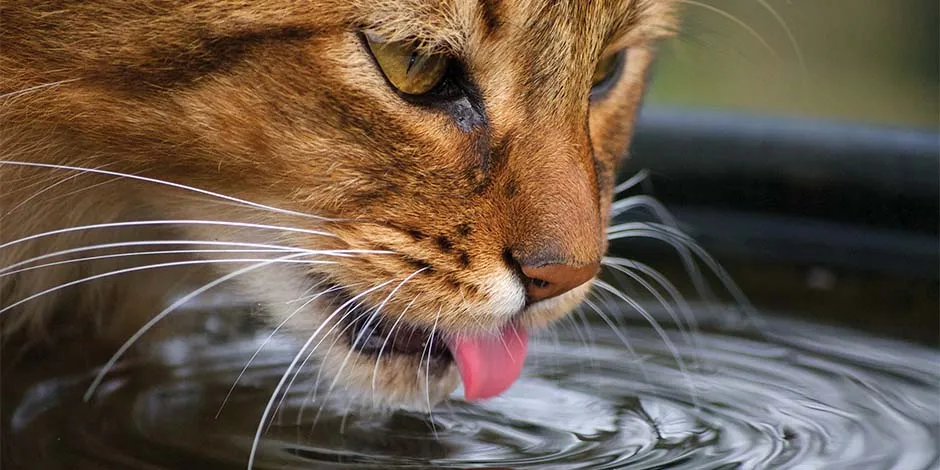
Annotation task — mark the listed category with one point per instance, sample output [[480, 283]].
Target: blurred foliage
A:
[[874, 61]]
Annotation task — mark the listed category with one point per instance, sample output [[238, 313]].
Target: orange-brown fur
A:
[[279, 103]]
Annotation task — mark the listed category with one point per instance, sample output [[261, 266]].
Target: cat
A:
[[406, 186]]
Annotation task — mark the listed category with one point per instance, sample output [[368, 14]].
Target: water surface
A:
[[796, 395]]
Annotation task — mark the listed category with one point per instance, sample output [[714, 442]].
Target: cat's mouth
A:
[[487, 364], [371, 332], [376, 335]]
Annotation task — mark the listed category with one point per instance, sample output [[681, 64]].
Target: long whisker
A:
[[678, 239], [634, 180], [656, 327], [141, 253], [342, 422], [552, 331], [140, 223], [166, 183], [427, 372], [623, 339], [587, 327], [675, 238], [268, 408], [391, 332], [153, 266], [660, 211], [586, 338], [790, 36], [339, 322], [663, 283], [735, 20], [624, 266], [361, 334], [644, 201], [336, 253], [153, 321], [268, 339], [152, 243], [310, 397]]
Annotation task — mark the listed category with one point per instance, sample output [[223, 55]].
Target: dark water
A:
[[797, 396]]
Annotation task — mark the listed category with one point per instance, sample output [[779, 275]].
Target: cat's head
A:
[[469, 147]]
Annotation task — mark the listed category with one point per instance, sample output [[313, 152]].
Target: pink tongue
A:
[[490, 364]]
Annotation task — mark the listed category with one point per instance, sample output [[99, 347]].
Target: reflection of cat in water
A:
[[406, 186]]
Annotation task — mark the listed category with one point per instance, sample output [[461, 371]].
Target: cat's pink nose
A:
[[551, 280]]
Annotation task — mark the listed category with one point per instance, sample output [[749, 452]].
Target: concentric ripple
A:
[[797, 396]]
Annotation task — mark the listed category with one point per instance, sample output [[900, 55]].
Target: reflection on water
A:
[[798, 396]]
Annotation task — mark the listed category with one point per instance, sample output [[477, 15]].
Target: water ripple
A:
[[799, 396]]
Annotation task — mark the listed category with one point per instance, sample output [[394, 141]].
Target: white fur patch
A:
[[505, 293]]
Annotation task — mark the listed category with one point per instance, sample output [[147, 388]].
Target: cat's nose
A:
[[551, 280]]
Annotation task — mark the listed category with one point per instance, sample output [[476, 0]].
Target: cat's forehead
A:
[[464, 24]]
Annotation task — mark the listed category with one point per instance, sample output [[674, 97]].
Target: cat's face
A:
[[469, 190]]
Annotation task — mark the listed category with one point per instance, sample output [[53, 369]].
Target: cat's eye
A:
[[409, 70], [605, 71]]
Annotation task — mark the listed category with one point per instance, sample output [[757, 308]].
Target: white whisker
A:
[[342, 422], [647, 202], [167, 183], [259, 246], [735, 20], [622, 267], [153, 266], [355, 341], [427, 372], [311, 395], [268, 339], [268, 408], [572, 322], [335, 253], [584, 335], [634, 180], [663, 283], [639, 229], [340, 321], [153, 321], [391, 332], [790, 36], [656, 327], [682, 241], [689, 334], [587, 327], [139, 253], [141, 223], [623, 339]]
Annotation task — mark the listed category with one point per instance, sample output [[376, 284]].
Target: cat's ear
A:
[[408, 69]]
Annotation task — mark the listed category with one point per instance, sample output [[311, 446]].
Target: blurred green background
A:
[[871, 61]]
